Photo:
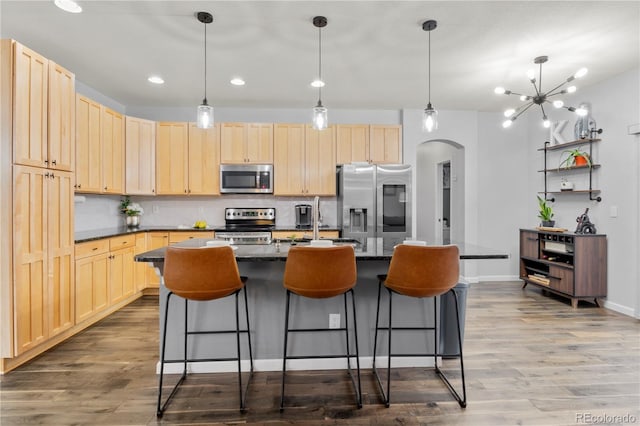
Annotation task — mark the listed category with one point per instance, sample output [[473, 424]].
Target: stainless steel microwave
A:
[[246, 178]]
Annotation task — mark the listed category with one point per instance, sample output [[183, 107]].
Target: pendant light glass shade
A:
[[320, 117], [205, 115], [429, 119]]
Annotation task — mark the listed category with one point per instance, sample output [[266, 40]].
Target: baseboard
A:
[[625, 310], [294, 364], [500, 278]]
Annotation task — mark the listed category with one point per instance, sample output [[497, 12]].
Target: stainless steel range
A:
[[247, 225]]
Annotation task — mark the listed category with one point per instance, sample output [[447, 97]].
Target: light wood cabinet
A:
[[304, 160], [121, 268], [140, 156], [352, 143], [178, 236], [30, 86], [140, 268], [172, 158], [92, 278], [155, 240], [113, 156], [385, 144], [61, 118], [204, 160], [88, 148], [43, 267], [320, 161], [43, 111], [242, 143]]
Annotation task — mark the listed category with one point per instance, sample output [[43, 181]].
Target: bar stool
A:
[[320, 273], [420, 271], [203, 274]]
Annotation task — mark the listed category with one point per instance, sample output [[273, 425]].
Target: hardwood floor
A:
[[530, 360]]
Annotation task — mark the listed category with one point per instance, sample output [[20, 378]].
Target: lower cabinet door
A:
[[92, 285]]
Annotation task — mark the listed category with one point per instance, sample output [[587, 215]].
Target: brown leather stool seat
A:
[[203, 274], [320, 273], [420, 271]]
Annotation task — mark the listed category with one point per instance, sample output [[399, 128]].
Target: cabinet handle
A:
[[185, 191], [153, 190], [46, 161], [79, 185], [51, 176], [53, 162], [105, 188]]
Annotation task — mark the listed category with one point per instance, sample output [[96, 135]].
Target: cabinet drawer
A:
[[123, 241], [91, 248], [176, 237], [561, 279]]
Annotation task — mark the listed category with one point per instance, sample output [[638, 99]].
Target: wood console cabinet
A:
[[567, 264]]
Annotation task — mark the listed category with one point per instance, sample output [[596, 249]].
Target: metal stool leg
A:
[[385, 397], [246, 311], [284, 357], [388, 401], [161, 407], [355, 331]]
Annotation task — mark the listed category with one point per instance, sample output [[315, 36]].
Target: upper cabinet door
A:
[[31, 78], [172, 158], [88, 147], [140, 162], [386, 144], [289, 159], [233, 143], [204, 160], [320, 161], [352, 143], [259, 144], [61, 119], [112, 152]]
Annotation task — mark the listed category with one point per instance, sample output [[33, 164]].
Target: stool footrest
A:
[[320, 356], [216, 332], [405, 328], [311, 330]]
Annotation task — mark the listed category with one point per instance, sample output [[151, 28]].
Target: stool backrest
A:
[[320, 272], [420, 271], [204, 273]]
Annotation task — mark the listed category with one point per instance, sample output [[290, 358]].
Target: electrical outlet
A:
[[334, 320], [155, 209]]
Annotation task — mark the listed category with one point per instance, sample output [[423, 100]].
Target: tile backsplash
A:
[[102, 211]]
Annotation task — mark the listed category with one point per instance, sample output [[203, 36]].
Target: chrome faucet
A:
[[316, 216]]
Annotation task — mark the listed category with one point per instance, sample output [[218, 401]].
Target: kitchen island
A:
[[264, 266]]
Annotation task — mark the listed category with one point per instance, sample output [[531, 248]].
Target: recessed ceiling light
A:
[[237, 81], [155, 79], [68, 6], [317, 83]]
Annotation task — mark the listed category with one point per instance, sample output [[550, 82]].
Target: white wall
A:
[[615, 106]]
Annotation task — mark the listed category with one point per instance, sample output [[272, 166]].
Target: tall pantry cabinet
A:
[[38, 113]]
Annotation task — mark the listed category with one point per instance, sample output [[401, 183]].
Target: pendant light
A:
[[319, 111], [430, 115], [205, 111]]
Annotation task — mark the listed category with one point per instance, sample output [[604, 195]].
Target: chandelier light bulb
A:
[[317, 83], [571, 89], [582, 112], [499, 90], [546, 123], [524, 98], [531, 75], [507, 123], [580, 73], [558, 103], [509, 112]]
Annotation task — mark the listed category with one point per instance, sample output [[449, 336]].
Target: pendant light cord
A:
[[320, 65], [429, 68], [205, 64]]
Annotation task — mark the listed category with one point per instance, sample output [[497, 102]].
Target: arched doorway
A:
[[440, 190]]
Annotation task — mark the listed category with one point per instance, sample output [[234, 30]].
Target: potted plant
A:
[[132, 212], [575, 158], [545, 213]]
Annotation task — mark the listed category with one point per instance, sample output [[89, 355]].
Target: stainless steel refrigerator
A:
[[375, 201]]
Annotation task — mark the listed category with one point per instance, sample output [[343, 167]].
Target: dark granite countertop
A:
[[372, 249], [97, 234]]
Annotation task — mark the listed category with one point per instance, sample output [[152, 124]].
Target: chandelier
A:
[[540, 97]]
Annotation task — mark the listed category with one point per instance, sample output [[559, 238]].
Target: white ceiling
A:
[[374, 52]]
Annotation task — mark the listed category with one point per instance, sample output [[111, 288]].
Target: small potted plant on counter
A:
[[132, 212], [575, 158], [545, 213]]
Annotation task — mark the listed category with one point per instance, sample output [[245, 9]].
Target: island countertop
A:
[[371, 249]]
